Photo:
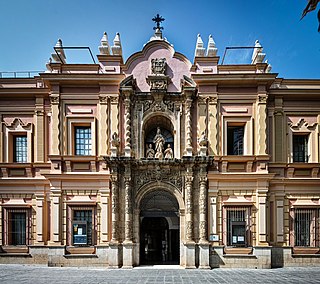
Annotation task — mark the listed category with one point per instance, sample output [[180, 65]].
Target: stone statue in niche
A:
[[203, 141], [159, 141], [158, 66], [168, 153], [115, 141], [150, 152]]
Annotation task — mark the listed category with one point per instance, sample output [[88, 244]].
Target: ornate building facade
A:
[[159, 160]]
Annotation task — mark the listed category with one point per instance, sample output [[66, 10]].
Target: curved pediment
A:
[[139, 65]]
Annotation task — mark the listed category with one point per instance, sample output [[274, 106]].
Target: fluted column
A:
[[213, 125], [104, 199], [55, 121], [102, 127], [261, 125], [55, 215], [188, 151], [39, 130], [39, 213], [114, 119]]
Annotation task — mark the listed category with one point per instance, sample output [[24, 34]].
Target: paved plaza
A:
[[42, 274]]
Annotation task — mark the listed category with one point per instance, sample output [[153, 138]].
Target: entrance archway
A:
[[159, 228]]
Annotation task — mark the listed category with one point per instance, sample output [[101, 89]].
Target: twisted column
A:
[[128, 209], [203, 209], [127, 125], [189, 208], [188, 127], [115, 207]]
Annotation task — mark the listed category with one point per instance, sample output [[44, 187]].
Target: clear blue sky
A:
[[30, 28]]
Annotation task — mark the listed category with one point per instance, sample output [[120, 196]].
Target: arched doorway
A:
[[159, 228]]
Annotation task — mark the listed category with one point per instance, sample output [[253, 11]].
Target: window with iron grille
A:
[[300, 148], [16, 227], [305, 227], [82, 226], [20, 149], [82, 140], [237, 226], [235, 136]]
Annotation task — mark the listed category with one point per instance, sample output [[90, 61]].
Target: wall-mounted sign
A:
[[214, 238]]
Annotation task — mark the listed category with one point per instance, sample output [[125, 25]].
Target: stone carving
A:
[[203, 140], [159, 141], [168, 153], [146, 105], [115, 141], [54, 100], [150, 152], [262, 99], [203, 230], [167, 175], [170, 105], [189, 230], [114, 200], [158, 66], [103, 99], [158, 84], [158, 107]]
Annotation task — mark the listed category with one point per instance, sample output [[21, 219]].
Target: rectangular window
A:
[[235, 136], [305, 227], [82, 227], [237, 226], [300, 148], [16, 227], [82, 140], [20, 149]]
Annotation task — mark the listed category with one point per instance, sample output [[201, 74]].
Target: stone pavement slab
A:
[[10, 274]]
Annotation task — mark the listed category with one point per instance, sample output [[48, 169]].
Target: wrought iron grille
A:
[[18, 227], [306, 227], [237, 226]]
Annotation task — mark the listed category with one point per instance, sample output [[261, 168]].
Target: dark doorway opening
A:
[[158, 243]]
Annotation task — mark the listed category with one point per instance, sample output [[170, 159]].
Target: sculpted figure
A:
[[168, 153], [115, 141], [158, 140], [203, 141], [150, 152]]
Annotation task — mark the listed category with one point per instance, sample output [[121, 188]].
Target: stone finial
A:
[[116, 48], [104, 48], [200, 50], [257, 55], [59, 56], [211, 50]]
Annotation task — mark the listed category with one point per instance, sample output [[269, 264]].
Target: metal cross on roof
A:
[[158, 19]]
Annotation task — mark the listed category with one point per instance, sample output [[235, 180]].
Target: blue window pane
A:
[[83, 140], [20, 149]]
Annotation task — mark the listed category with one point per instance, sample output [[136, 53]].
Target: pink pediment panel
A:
[[139, 65]]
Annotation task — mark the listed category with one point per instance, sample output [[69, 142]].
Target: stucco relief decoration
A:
[[158, 66]]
